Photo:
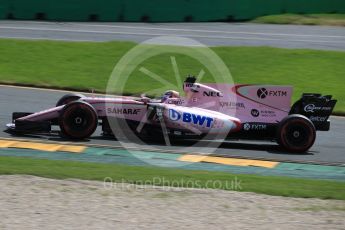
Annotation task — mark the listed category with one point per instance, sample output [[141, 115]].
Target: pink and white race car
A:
[[255, 112]]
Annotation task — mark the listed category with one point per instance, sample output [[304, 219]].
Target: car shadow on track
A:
[[46, 137], [268, 147]]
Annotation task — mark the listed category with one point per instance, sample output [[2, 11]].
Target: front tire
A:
[[296, 133], [78, 120]]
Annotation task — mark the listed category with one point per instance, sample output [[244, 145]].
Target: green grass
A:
[[279, 186], [87, 65], [304, 19]]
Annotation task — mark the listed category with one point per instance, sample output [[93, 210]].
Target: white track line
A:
[[185, 30], [162, 34], [209, 31], [50, 39]]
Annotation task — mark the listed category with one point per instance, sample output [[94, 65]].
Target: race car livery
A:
[[214, 111]]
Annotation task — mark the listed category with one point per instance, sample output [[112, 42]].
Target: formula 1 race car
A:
[[254, 112]]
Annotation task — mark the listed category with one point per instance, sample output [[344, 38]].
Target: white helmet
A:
[[171, 94]]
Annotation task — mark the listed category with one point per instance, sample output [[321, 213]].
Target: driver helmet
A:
[[170, 94]]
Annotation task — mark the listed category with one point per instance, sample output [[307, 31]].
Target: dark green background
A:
[[160, 10]]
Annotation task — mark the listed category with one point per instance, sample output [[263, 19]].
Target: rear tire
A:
[[78, 120], [69, 98], [296, 133]]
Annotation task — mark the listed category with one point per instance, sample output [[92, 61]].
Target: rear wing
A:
[[316, 107]]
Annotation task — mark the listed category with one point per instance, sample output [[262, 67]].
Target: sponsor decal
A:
[[231, 104], [310, 108], [267, 113], [123, 111], [247, 126], [263, 93], [190, 118], [262, 113], [175, 102], [317, 118], [194, 87], [212, 94], [255, 112], [189, 84]]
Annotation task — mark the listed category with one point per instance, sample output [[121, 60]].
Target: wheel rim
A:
[[78, 121], [298, 135]]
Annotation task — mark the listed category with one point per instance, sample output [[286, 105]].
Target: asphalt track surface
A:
[[209, 34], [329, 147]]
